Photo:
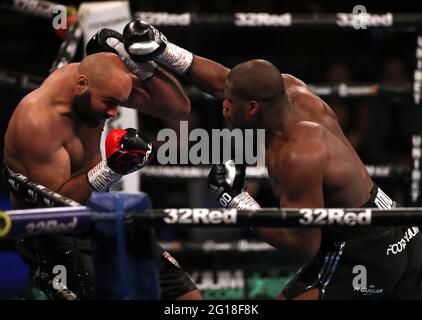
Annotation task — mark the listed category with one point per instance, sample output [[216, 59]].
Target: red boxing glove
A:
[[126, 152]]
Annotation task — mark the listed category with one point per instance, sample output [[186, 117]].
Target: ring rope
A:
[[38, 8], [77, 219], [27, 82], [341, 20], [40, 221], [416, 153], [211, 246], [342, 90], [69, 47], [34, 192], [74, 217], [5, 224], [20, 80], [194, 172], [276, 217], [403, 21]]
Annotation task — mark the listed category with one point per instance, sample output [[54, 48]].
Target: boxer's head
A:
[[103, 83], [251, 88]]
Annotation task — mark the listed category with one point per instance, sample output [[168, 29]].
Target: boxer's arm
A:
[[208, 75], [300, 174], [154, 91], [44, 158], [144, 42], [160, 96]]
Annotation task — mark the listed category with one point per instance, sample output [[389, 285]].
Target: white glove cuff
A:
[[244, 201], [101, 177], [143, 71], [175, 58]]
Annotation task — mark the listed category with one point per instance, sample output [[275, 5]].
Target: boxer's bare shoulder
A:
[[303, 139], [292, 81]]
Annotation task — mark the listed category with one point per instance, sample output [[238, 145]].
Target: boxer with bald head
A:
[[53, 138], [310, 164], [54, 133]]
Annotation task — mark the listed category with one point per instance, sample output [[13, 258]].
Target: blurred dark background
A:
[[379, 128]]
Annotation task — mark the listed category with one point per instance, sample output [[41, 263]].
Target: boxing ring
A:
[[108, 217]]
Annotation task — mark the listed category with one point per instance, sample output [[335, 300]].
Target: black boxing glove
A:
[[144, 42], [144, 39], [227, 182], [126, 152], [107, 40]]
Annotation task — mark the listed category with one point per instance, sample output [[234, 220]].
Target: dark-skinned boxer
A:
[[310, 165]]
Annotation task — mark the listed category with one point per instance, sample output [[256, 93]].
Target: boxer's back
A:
[[346, 182], [312, 132], [32, 110]]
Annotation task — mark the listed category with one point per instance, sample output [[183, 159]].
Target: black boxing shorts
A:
[[364, 263], [174, 282], [43, 253]]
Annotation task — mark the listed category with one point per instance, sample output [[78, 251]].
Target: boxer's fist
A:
[[105, 40], [127, 151], [227, 181], [142, 41]]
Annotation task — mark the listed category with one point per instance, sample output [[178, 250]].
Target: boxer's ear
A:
[[82, 83], [253, 108]]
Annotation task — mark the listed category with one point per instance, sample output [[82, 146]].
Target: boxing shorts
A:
[[364, 262], [74, 253]]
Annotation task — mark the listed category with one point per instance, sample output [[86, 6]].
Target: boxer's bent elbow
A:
[[182, 109], [308, 241], [174, 109]]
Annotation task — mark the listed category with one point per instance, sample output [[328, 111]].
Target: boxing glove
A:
[[126, 152], [107, 40], [144, 42], [227, 182]]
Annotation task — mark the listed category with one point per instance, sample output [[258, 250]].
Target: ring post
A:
[[123, 254]]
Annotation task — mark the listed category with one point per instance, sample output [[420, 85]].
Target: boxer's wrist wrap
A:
[[175, 58], [143, 71], [244, 201], [146, 70], [101, 177]]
